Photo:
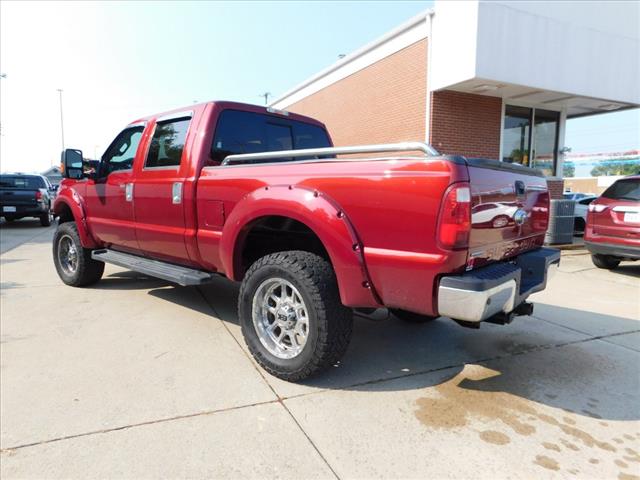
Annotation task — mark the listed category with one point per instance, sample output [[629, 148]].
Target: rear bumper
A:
[[498, 288], [24, 210], [614, 250]]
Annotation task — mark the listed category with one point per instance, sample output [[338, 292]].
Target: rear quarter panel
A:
[[392, 206]]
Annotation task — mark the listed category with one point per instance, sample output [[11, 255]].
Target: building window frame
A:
[[560, 130]]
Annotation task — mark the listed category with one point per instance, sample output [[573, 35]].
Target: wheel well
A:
[[276, 234], [65, 214]]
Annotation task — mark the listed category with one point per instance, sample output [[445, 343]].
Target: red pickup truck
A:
[[261, 197]]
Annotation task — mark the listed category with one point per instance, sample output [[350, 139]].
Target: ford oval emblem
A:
[[520, 216]]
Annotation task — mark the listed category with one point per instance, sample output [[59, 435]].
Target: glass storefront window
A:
[[516, 135], [545, 140], [535, 147]]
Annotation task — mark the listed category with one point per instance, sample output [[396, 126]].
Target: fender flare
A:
[[320, 214], [70, 199]]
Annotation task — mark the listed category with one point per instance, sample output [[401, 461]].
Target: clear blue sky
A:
[[117, 61]]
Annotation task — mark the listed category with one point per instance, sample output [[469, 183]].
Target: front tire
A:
[[73, 262], [291, 316], [605, 261]]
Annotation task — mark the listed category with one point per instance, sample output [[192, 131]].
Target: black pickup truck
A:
[[26, 195]]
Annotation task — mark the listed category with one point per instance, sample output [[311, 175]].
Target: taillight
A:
[[595, 207], [455, 217], [38, 196]]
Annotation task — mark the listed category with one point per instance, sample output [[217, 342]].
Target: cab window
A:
[[167, 143], [122, 151], [249, 132]]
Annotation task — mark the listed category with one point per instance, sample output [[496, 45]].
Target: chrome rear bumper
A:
[[499, 288]]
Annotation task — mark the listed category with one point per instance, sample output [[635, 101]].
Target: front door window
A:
[[536, 146]]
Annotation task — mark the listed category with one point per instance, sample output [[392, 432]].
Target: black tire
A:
[[87, 271], [605, 261], [411, 317], [9, 219], [45, 219], [330, 324]]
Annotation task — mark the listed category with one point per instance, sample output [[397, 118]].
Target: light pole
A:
[[61, 119]]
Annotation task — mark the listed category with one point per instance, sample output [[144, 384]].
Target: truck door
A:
[[158, 192], [109, 199]]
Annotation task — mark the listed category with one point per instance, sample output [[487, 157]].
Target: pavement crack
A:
[[134, 425], [280, 399]]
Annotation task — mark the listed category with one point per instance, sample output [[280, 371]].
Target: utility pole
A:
[[3, 76], [266, 96], [61, 119]]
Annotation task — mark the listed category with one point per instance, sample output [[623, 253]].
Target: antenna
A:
[[266, 96]]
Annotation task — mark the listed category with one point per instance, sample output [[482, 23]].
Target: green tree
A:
[[568, 169], [616, 168]]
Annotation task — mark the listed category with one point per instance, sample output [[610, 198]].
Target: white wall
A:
[[583, 48]]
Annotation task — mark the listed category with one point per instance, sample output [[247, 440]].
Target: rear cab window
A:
[[248, 132], [22, 182], [624, 189]]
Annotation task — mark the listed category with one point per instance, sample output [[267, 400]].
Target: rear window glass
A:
[[628, 189], [248, 132], [167, 143], [30, 183]]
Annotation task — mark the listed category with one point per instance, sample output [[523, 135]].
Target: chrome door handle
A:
[[128, 192], [176, 193]]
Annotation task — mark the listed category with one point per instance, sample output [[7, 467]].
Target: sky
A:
[[117, 61]]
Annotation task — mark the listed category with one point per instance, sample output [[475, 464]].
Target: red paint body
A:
[[377, 219], [613, 220]]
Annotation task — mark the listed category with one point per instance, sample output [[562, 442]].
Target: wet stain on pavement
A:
[[452, 405], [627, 476], [621, 464], [546, 462], [497, 438], [551, 446]]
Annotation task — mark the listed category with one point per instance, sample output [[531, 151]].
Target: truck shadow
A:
[[531, 359]]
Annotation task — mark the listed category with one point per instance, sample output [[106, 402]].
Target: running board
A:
[[154, 268]]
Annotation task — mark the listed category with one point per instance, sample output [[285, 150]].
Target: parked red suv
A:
[[613, 224]]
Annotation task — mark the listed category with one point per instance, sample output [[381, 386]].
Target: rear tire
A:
[[605, 261], [9, 219], [73, 262], [45, 219], [411, 317], [293, 295]]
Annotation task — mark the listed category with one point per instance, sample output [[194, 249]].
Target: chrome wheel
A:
[[280, 318], [67, 255]]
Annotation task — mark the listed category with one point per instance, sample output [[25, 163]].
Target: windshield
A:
[[627, 189], [21, 182]]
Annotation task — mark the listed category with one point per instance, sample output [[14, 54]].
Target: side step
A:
[[154, 268]]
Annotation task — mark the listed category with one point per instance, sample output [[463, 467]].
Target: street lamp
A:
[[61, 119]]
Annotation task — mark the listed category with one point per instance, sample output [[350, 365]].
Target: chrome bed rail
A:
[[428, 150]]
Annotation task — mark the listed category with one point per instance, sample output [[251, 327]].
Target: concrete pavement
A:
[[138, 378]]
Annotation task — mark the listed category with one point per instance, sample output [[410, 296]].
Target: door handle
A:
[[176, 193], [128, 192]]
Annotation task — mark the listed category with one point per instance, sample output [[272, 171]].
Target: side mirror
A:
[[72, 163]]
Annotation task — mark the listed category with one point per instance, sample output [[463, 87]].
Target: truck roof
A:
[[227, 105]]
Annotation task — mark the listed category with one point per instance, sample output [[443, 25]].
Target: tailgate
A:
[[17, 198], [509, 210]]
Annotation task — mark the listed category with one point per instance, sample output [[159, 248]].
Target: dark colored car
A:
[[613, 224], [26, 195]]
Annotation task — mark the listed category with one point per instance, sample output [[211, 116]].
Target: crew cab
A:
[[26, 195], [612, 232], [262, 197]]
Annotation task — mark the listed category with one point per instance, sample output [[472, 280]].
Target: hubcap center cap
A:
[[286, 315]]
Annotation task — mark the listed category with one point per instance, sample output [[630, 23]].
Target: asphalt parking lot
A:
[[137, 378]]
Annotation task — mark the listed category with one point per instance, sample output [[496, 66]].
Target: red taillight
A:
[[38, 196], [455, 217]]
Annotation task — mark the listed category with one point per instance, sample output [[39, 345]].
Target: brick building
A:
[[496, 80]]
